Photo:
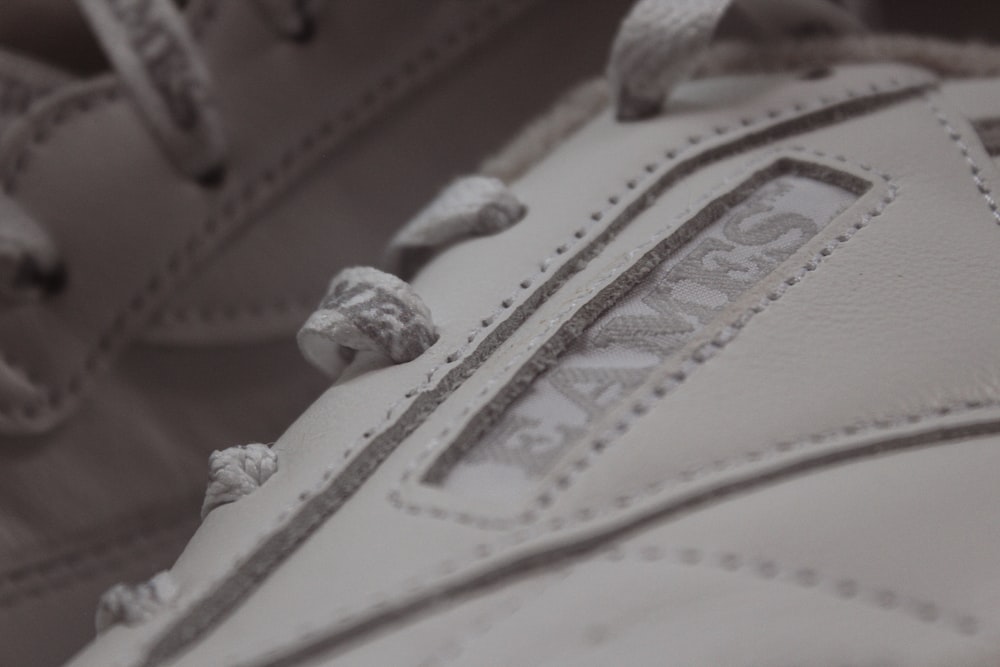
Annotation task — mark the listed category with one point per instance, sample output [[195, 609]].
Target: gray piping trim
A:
[[339, 484], [59, 396], [725, 58], [144, 536], [548, 354], [352, 627]]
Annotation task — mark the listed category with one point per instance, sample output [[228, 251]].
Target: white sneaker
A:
[[720, 390], [198, 222]]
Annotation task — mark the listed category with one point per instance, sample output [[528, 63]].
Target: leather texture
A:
[[109, 488], [808, 481], [76, 336]]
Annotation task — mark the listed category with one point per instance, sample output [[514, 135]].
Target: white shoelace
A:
[[160, 67], [657, 42], [660, 39]]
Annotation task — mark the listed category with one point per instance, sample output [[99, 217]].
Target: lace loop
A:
[[660, 40], [471, 206], [148, 43], [366, 310]]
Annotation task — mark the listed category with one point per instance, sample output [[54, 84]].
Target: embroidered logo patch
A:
[[681, 296]]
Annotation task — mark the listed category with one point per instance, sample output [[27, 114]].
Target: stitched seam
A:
[[352, 117], [230, 590], [963, 148], [779, 450], [141, 522], [91, 98], [109, 341], [614, 201], [488, 550], [639, 407], [596, 285], [202, 16], [214, 314], [847, 589], [771, 114], [84, 564], [671, 155]]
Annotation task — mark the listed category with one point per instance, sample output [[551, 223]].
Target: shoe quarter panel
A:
[[281, 527]]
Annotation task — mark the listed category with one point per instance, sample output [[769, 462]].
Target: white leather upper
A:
[[87, 136], [814, 489], [108, 486]]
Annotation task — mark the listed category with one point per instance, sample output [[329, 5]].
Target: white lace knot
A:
[[366, 310], [132, 604], [235, 472]]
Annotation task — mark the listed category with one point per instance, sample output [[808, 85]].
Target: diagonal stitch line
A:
[[100, 558], [212, 314], [698, 357], [763, 569], [416, 68], [107, 344], [848, 589], [963, 148], [331, 492], [77, 560], [429, 593], [671, 156]]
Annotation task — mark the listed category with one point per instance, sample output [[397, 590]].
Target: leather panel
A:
[[343, 213], [550, 193], [798, 573], [158, 226]]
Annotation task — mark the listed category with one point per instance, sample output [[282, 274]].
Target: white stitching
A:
[[847, 589], [809, 578], [251, 310], [963, 148], [671, 155], [638, 406], [97, 556], [167, 641], [487, 550], [357, 114]]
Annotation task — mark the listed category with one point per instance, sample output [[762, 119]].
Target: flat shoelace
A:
[[660, 39], [160, 66]]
